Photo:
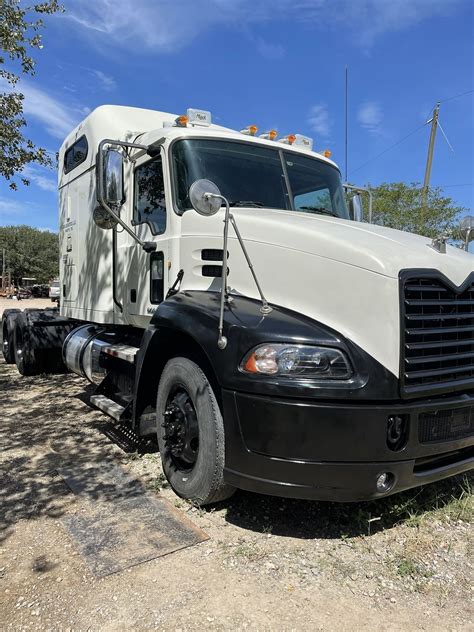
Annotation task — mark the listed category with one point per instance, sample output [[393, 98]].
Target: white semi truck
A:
[[220, 294]]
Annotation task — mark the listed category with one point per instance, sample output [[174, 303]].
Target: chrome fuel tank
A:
[[83, 352]]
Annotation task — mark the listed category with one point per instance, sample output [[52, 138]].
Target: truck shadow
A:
[[307, 519], [45, 426]]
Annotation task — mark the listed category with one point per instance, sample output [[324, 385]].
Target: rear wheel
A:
[[8, 323], [190, 434], [26, 357]]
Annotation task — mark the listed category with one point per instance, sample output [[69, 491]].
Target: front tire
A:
[[190, 433]]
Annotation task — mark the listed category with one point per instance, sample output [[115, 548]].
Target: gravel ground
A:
[[402, 563]]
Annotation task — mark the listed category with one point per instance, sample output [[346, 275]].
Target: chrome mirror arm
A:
[[265, 308]]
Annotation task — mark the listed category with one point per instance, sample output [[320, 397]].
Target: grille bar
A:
[[437, 345], [438, 333], [424, 303], [441, 330], [439, 358], [439, 317]]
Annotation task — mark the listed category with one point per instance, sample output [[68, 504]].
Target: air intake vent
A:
[[211, 254], [438, 335], [212, 271]]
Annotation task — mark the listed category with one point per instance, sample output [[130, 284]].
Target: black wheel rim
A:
[[181, 428]]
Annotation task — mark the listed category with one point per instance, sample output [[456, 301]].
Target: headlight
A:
[[297, 361]]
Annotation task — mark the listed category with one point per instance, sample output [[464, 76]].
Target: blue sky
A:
[[273, 63]]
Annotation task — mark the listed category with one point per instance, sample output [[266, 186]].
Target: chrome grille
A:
[[438, 334]]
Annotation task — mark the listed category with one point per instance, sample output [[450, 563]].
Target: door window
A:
[[150, 205]]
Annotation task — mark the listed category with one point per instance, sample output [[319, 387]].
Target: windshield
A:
[[254, 176]]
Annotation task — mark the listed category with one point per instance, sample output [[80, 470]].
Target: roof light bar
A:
[[250, 130]]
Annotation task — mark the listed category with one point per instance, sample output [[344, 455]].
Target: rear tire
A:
[[190, 433], [8, 323], [26, 359]]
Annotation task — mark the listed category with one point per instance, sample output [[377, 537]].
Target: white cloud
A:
[[320, 121], [370, 117], [270, 51], [58, 119], [170, 25], [10, 208], [35, 175], [106, 81]]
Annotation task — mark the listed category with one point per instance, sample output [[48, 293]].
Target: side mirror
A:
[[356, 209], [205, 197], [112, 177]]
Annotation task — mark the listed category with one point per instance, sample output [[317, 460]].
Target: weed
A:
[[249, 552]]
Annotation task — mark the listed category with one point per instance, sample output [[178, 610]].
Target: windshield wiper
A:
[[316, 209], [246, 203]]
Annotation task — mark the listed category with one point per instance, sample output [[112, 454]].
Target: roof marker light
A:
[[327, 153], [288, 140], [250, 130], [182, 121], [270, 135]]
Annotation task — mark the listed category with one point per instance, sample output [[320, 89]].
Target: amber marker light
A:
[[182, 121], [327, 153], [289, 140], [270, 135], [250, 130]]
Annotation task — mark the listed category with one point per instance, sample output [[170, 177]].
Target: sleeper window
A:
[[76, 154], [150, 205]]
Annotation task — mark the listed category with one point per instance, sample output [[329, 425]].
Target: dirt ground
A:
[[404, 563]]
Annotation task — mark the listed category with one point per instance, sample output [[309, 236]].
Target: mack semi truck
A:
[[222, 295]]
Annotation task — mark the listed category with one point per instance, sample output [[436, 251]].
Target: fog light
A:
[[385, 482]]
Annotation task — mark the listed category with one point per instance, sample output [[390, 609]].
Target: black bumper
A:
[[334, 451]]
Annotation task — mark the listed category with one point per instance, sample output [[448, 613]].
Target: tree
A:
[[18, 34], [30, 253], [399, 205]]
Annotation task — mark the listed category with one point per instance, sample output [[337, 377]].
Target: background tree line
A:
[[29, 253]]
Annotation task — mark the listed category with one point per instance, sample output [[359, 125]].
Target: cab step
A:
[[108, 406], [121, 351]]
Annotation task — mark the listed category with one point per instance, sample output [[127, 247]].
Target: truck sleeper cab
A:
[[355, 383]]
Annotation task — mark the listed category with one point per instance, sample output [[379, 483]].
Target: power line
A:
[[456, 96], [445, 186], [389, 148]]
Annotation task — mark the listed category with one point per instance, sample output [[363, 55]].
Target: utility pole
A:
[[429, 160], [3, 269]]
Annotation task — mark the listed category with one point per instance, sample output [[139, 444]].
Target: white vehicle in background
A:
[[220, 294], [54, 291]]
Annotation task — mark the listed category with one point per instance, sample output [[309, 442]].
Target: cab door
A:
[[147, 273]]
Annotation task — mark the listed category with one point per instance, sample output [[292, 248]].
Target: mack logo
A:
[[201, 117], [150, 310]]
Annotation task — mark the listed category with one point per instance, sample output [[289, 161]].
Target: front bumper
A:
[[334, 451]]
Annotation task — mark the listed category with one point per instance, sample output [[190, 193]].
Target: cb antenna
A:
[[346, 126]]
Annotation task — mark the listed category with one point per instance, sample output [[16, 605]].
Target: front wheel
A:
[[190, 434]]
